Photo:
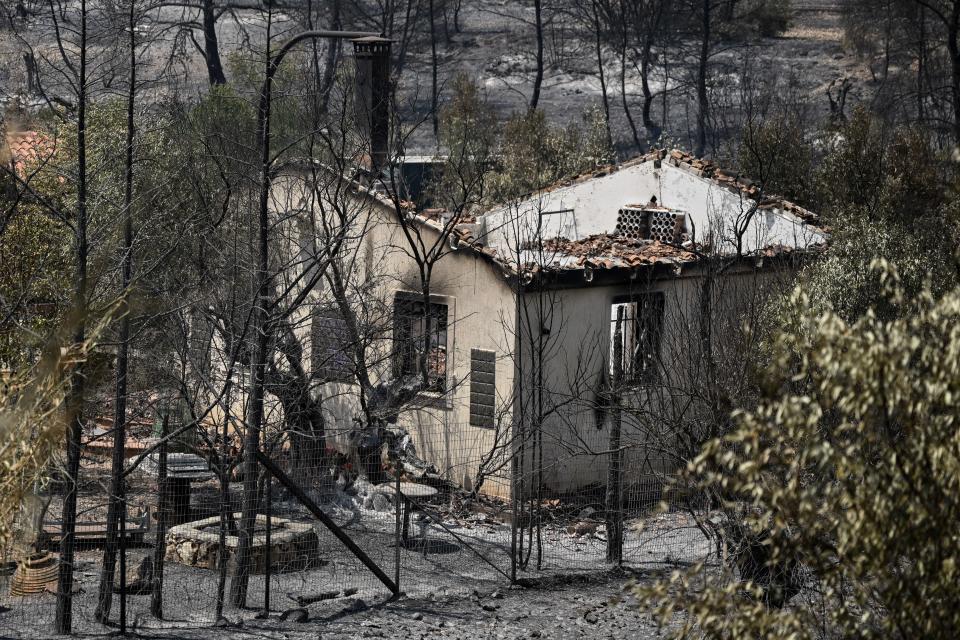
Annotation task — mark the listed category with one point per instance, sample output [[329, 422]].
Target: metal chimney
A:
[[372, 55]]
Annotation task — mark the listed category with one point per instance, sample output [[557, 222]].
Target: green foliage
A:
[[34, 252], [776, 154], [880, 28], [32, 422], [222, 125], [488, 166], [886, 174], [739, 20], [848, 473], [888, 194], [535, 154], [468, 133], [292, 99]]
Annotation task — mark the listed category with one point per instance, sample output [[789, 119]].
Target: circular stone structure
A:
[[293, 545]]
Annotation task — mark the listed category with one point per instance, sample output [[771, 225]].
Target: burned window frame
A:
[[408, 310], [641, 348]]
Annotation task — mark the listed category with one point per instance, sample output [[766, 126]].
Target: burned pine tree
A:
[[117, 509]]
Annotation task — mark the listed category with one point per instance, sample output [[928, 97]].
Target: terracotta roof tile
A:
[[612, 251], [27, 147]]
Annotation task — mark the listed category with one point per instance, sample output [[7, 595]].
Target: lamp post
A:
[[373, 71]]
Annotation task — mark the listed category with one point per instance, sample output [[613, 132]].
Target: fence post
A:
[[63, 622], [514, 501], [268, 561], [614, 497], [397, 506], [123, 561], [223, 470], [156, 597]]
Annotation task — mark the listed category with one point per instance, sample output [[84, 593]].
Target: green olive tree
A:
[[840, 489]]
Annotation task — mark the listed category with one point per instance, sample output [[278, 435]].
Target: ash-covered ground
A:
[[495, 47], [598, 606], [454, 573]]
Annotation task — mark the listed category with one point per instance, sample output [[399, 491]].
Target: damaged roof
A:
[[591, 242], [607, 251]]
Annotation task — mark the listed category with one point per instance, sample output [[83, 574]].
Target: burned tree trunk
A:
[[303, 415], [304, 424], [614, 497], [333, 54], [653, 130], [77, 391], [597, 32], [211, 46], [116, 515], [623, 89], [702, 103], [434, 111], [538, 79]]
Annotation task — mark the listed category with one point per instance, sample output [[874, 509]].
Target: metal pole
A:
[[268, 560], [123, 561], [396, 509], [163, 514]]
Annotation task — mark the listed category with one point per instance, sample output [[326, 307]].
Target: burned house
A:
[[604, 306]]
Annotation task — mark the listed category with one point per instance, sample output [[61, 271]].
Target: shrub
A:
[[847, 475]]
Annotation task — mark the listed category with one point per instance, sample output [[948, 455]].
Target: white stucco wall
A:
[[480, 316], [590, 207], [576, 439]]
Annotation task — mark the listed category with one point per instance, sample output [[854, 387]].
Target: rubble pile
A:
[[607, 251]]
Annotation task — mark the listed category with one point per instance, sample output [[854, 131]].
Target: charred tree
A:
[[538, 78], [211, 45], [163, 517], [623, 87], [614, 498], [77, 388], [115, 512], [303, 413], [434, 108], [703, 61], [598, 49]]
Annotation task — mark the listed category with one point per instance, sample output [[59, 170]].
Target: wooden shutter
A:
[[483, 388]]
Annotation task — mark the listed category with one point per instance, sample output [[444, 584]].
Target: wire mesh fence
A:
[[443, 535]]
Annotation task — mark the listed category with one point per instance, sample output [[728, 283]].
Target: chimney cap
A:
[[371, 44]]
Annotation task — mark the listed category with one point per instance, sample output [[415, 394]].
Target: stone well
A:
[[293, 545]]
